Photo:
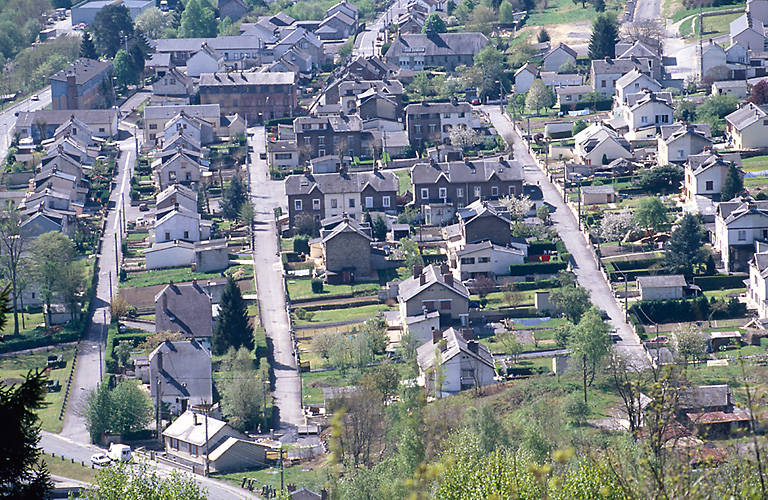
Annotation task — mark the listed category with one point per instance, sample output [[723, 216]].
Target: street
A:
[[266, 195], [566, 225], [8, 116], [365, 43]]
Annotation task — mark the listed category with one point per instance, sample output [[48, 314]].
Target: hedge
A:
[[19, 343], [720, 282], [537, 268], [540, 247], [523, 286], [698, 309], [434, 258], [114, 338], [628, 265]]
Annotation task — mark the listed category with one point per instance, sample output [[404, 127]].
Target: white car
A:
[[100, 460]]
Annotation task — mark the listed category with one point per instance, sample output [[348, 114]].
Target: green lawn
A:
[[299, 475], [761, 181], [14, 368], [404, 181], [720, 294], [179, 275], [347, 314], [65, 468], [565, 11], [136, 237], [718, 25], [286, 244], [755, 163], [302, 289], [31, 322], [675, 9]]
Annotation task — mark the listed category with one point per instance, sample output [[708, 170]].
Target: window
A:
[[602, 83], [494, 191], [186, 235], [709, 186], [334, 203], [297, 205], [442, 193], [459, 192], [765, 234], [429, 305], [307, 140], [445, 305], [153, 126], [152, 136], [478, 191], [643, 119], [316, 204], [512, 191], [385, 201], [432, 128], [321, 139], [483, 260], [351, 203], [742, 235], [172, 174], [102, 129], [320, 152], [167, 236], [369, 202], [424, 193], [467, 260]]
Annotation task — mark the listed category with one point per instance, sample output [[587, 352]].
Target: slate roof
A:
[[186, 370], [245, 42], [186, 309], [59, 116], [705, 396], [684, 131], [746, 115], [613, 66], [410, 287], [84, 70], [695, 161], [564, 47], [247, 78], [347, 225], [638, 49], [177, 190], [158, 59], [479, 170], [455, 344], [666, 131], [604, 189], [437, 44], [438, 107], [662, 281], [530, 67], [350, 182], [482, 245], [633, 75], [168, 112], [713, 160]]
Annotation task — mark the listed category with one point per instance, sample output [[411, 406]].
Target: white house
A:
[[711, 62], [175, 195], [747, 127], [524, 77], [738, 224], [705, 174], [178, 168], [634, 82], [662, 287], [196, 129], [180, 375], [678, 146], [449, 364], [757, 288], [651, 110], [181, 224], [730, 87], [598, 195], [173, 83], [748, 32], [485, 259], [206, 60], [598, 141], [557, 57]]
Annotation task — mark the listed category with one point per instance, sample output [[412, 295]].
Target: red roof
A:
[[717, 417]]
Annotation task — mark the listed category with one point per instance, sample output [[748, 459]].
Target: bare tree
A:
[[649, 31], [627, 380], [362, 426], [12, 246]]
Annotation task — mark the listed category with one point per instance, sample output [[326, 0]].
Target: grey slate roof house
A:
[[185, 309], [448, 50], [182, 369]]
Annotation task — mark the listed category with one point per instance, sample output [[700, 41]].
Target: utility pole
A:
[[579, 204], [110, 288], [117, 258], [157, 409], [281, 468], [206, 406]]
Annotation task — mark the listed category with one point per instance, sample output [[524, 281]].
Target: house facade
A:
[[706, 173], [485, 259], [431, 123], [747, 127], [434, 289], [739, 223], [318, 136], [84, 84], [259, 96], [180, 375], [447, 50]]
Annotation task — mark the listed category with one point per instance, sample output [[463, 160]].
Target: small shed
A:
[[596, 195], [662, 287]]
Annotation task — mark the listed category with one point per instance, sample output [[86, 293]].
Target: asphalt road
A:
[[8, 116], [266, 195], [647, 10], [365, 43], [566, 225]]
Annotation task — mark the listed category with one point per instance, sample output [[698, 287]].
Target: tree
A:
[[685, 111], [482, 20], [434, 24], [506, 12], [543, 213], [578, 126], [684, 250], [599, 5], [464, 137], [22, 474], [571, 300], [539, 96], [489, 63], [375, 329], [13, 244], [131, 408], [411, 253], [228, 28], [123, 69], [98, 411], [239, 387], [151, 22], [717, 106], [759, 94], [626, 379], [246, 213], [516, 207], [198, 20], [360, 350], [542, 36], [733, 185], [109, 25], [512, 345], [360, 428], [123, 352], [87, 48], [589, 343], [420, 84], [138, 482], [648, 31], [51, 253], [384, 379], [322, 343], [666, 178], [136, 57], [70, 286], [605, 34], [379, 229], [233, 328], [340, 353], [651, 213], [305, 224], [689, 344], [615, 226], [234, 195]]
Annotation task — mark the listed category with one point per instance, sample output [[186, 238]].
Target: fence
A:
[[69, 382]]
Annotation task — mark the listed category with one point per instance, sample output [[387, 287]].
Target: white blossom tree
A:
[[464, 137], [517, 207], [616, 225]]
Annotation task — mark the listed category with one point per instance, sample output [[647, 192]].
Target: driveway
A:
[[266, 195], [90, 362], [566, 225]]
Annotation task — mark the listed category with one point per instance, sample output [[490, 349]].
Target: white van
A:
[[119, 452]]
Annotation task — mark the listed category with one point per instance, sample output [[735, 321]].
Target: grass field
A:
[[299, 475], [65, 468], [403, 181], [348, 314], [302, 289], [718, 25], [675, 9], [566, 11], [755, 163], [14, 368], [179, 275]]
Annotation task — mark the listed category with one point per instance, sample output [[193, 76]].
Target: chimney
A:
[[417, 269], [472, 345], [164, 299], [159, 361], [194, 419], [443, 268], [468, 334], [448, 279], [437, 335], [422, 279]]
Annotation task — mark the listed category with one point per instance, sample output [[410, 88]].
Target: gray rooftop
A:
[[84, 70], [662, 281], [352, 182], [481, 170], [185, 309]]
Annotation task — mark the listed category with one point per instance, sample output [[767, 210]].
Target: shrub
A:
[[721, 282], [317, 285], [301, 244], [536, 268]]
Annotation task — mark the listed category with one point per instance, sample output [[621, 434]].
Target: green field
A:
[[179, 275], [566, 11], [404, 181], [299, 475], [346, 314], [302, 289], [65, 468], [718, 25], [14, 368], [755, 163]]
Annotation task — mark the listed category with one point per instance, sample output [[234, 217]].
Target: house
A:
[[645, 112], [178, 168], [569, 96], [84, 84], [196, 129], [598, 195], [748, 32], [185, 309], [604, 73], [757, 286], [459, 183], [553, 80], [239, 52], [206, 255], [449, 363], [283, 153], [181, 224], [738, 224], [524, 77], [678, 146], [348, 90], [758, 10], [431, 123], [258, 96], [558, 56], [648, 57], [41, 124], [662, 287], [337, 26], [634, 82], [480, 221], [372, 104], [705, 174], [180, 375], [327, 164], [485, 259], [211, 255], [434, 289], [155, 118], [599, 144], [346, 252], [173, 83], [233, 9], [78, 131], [747, 127], [324, 135], [732, 87], [185, 438], [711, 62], [344, 7], [448, 50], [205, 60], [44, 221], [85, 12], [175, 196], [329, 195]]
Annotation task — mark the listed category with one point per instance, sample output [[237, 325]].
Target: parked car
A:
[[119, 452], [100, 460], [659, 339], [35, 97], [143, 207], [475, 101]]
